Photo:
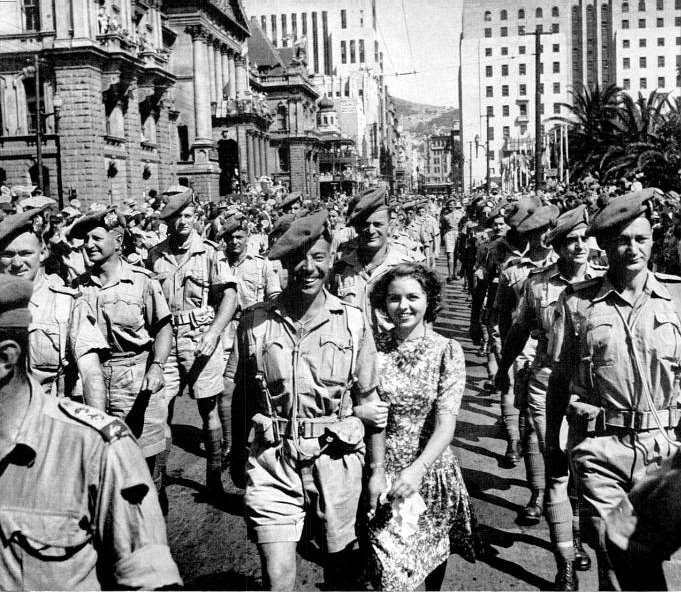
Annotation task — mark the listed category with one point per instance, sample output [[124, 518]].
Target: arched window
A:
[[625, 6], [521, 13], [115, 125], [504, 15], [555, 12], [642, 6], [149, 129], [488, 15], [283, 159], [282, 113], [539, 13]]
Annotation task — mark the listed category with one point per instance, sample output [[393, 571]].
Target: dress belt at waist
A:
[[195, 316], [640, 421]]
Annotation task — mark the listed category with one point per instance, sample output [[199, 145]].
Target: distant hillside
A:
[[421, 119]]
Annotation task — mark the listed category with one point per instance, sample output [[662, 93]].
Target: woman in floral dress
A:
[[422, 377]]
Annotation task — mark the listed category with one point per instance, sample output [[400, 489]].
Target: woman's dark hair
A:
[[428, 278]]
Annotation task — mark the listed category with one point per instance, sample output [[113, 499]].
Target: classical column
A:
[[224, 59], [258, 155], [211, 69], [266, 147], [250, 156], [241, 77], [232, 74], [263, 157], [202, 115], [218, 72]]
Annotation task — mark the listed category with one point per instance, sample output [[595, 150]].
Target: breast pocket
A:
[[45, 344], [278, 362], [127, 312], [667, 336], [52, 548], [335, 358], [602, 340]]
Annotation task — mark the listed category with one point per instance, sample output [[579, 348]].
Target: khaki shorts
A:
[[202, 376], [450, 240], [145, 415], [281, 492]]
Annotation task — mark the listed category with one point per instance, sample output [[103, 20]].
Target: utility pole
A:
[[39, 123], [487, 182], [470, 165], [538, 139]]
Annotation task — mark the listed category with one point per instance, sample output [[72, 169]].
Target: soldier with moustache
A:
[[64, 341], [535, 317], [616, 359]]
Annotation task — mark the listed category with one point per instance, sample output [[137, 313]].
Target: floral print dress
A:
[[420, 379]]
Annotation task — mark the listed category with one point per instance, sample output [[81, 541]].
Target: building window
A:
[[521, 14], [523, 109], [361, 51], [490, 132], [522, 69], [539, 13], [556, 67], [263, 24], [522, 90], [625, 43], [488, 52], [641, 23], [643, 83], [660, 4], [660, 61], [504, 51], [490, 110], [521, 50], [303, 20], [183, 142], [504, 15], [284, 32], [361, 18], [660, 82], [344, 52], [282, 118], [488, 16], [506, 131], [556, 109], [555, 28], [626, 63], [32, 15], [540, 28], [352, 51], [344, 19], [625, 6], [489, 92], [677, 4], [625, 24], [273, 32], [556, 88], [556, 47], [521, 29], [504, 31], [642, 62], [660, 41], [641, 6], [504, 90], [504, 69], [541, 88], [488, 33], [505, 110], [488, 71], [677, 21], [678, 41], [541, 109], [642, 42], [554, 12], [294, 27], [626, 84], [660, 22]]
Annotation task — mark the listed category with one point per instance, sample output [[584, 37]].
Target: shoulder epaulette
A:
[[142, 270], [110, 428], [62, 289], [667, 278], [577, 286], [349, 304], [210, 243]]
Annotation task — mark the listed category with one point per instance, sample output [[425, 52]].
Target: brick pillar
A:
[[82, 125]]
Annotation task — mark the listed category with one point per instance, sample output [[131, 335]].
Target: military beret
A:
[[369, 202], [15, 224], [231, 224], [566, 222], [176, 203], [302, 232], [175, 189], [542, 216], [83, 225], [290, 199], [521, 210], [15, 293], [623, 209], [282, 225]]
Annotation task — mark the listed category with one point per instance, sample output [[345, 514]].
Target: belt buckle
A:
[[303, 431], [637, 421]]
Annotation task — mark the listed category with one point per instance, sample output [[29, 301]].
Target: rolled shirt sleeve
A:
[[365, 369], [156, 309]]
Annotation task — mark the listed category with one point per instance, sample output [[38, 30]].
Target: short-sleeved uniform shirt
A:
[[62, 330], [590, 348], [78, 509], [127, 310], [187, 285], [353, 281]]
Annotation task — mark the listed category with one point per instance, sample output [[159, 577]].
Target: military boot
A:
[[566, 578], [582, 559], [512, 456], [532, 512]]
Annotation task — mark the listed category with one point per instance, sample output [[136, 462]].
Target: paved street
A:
[[210, 542]]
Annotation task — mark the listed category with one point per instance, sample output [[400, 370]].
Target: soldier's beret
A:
[[231, 224], [566, 222], [499, 210], [542, 216], [15, 224], [302, 232], [83, 225], [521, 210], [176, 203], [175, 189], [15, 293], [369, 202], [282, 225], [623, 209], [290, 199]]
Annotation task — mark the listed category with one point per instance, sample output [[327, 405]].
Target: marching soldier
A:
[[64, 341], [449, 228], [535, 317], [304, 359], [616, 362], [79, 510], [133, 316], [201, 293], [357, 271]]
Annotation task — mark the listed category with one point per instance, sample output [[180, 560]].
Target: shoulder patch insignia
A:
[[110, 428]]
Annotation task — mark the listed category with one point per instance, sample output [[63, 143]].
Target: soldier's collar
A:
[[653, 286]]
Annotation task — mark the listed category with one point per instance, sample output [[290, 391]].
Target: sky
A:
[[434, 27]]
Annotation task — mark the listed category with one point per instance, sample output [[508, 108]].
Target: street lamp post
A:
[[39, 123]]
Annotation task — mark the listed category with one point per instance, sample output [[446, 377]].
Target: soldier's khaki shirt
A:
[[256, 280], [127, 310], [188, 285], [590, 348], [78, 509], [62, 330], [307, 366]]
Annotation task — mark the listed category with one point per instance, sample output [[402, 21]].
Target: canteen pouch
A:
[[584, 419], [265, 429], [343, 437]]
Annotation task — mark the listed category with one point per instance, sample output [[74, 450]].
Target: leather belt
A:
[[195, 316], [305, 428], [640, 421]]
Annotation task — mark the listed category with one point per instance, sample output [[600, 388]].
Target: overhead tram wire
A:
[[406, 29]]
